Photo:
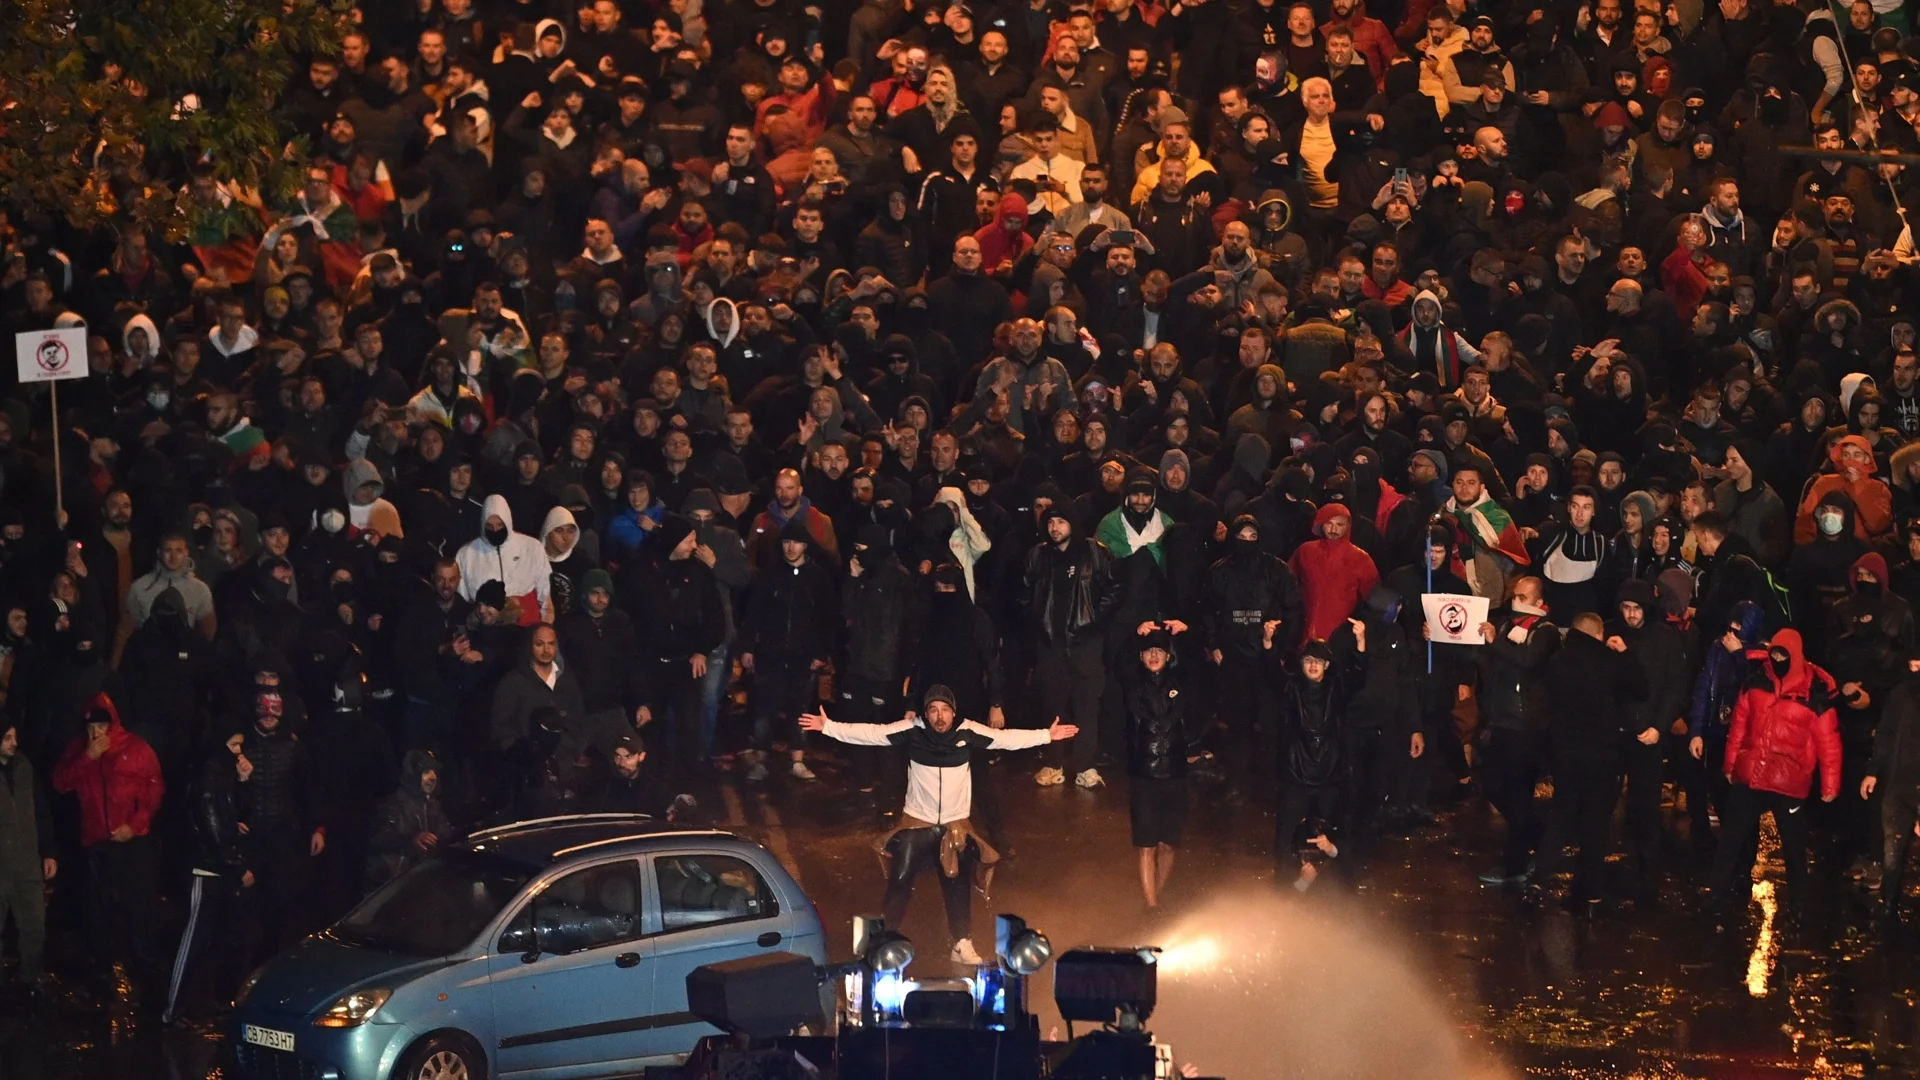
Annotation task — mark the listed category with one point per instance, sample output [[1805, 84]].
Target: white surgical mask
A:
[[1831, 522]]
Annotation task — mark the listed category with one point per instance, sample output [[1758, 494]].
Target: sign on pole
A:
[[51, 355], [1453, 619]]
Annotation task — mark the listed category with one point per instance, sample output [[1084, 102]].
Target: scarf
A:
[[1487, 524]]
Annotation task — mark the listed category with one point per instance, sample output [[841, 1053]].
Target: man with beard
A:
[[27, 849], [631, 788], [789, 634], [1334, 574], [1070, 593], [1373, 432], [1033, 382], [789, 505], [935, 826], [410, 824]]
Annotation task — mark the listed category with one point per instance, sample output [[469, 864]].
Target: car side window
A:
[[588, 908], [703, 890]]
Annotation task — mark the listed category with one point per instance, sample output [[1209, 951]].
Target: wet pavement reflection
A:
[[1412, 970]]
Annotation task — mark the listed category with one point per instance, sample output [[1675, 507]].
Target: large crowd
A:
[[629, 394]]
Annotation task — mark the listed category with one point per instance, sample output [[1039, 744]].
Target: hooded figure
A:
[[410, 824], [1872, 499], [1783, 727], [1006, 239], [1434, 345], [569, 565], [117, 789], [968, 541], [1334, 574], [514, 559], [375, 514]]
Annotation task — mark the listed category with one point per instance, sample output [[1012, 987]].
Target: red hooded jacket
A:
[[120, 787], [1335, 576], [1783, 728]]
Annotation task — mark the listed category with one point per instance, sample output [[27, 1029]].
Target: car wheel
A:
[[442, 1057]]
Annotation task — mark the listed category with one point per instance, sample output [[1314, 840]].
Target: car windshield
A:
[[435, 908]]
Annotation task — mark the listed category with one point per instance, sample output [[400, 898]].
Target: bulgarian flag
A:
[[1488, 525]]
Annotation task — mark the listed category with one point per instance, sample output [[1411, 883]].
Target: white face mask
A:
[[159, 399], [332, 520], [1831, 522]]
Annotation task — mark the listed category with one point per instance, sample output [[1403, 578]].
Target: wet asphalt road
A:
[[1412, 969]]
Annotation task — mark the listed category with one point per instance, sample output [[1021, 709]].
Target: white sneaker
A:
[[1049, 776], [801, 771], [1089, 779], [963, 953]]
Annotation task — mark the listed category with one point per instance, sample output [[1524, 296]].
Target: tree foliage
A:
[[107, 105]]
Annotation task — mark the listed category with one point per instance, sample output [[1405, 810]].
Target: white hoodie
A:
[[520, 564]]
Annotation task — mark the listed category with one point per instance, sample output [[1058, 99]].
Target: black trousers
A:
[[1899, 809], [274, 909], [1374, 758], [1739, 828], [24, 897], [917, 851], [864, 700], [1508, 774], [1443, 745], [1646, 773], [783, 690], [1070, 680], [1584, 800], [120, 904], [1299, 804], [676, 711], [206, 968], [1248, 723]]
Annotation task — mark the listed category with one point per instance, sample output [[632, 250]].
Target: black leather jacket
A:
[[216, 818], [1070, 595], [1157, 723], [1513, 687]]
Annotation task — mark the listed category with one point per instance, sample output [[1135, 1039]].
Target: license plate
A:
[[269, 1038]]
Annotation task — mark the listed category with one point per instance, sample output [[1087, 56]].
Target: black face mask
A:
[[496, 537], [1244, 546], [1867, 588], [202, 534], [1779, 664]]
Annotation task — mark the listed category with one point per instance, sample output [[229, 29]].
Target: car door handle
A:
[[769, 939], [627, 960]]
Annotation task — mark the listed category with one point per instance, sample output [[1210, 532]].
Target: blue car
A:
[[556, 948]]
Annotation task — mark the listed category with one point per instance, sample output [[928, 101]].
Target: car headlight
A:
[[354, 1008]]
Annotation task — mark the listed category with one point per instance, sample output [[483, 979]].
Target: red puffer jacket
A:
[[120, 787], [1783, 728]]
